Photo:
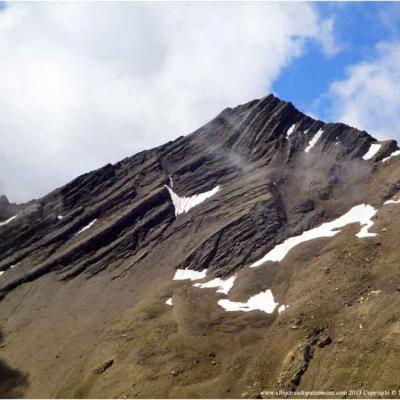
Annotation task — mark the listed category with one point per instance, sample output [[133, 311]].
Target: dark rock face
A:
[[115, 229], [7, 209], [269, 185]]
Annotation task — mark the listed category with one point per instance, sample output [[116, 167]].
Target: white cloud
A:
[[368, 98], [83, 84], [327, 39]]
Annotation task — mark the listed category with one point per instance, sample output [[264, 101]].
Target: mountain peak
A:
[[177, 261]]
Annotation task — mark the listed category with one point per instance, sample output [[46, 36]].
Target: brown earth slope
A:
[[83, 313]]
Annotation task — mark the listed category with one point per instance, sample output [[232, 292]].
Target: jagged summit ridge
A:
[[263, 125]]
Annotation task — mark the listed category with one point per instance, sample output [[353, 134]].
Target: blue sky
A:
[[87, 83], [358, 28]]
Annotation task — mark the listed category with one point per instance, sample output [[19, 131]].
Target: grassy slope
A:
[[349, 291]]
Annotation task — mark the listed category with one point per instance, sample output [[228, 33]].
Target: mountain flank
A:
[[258, 253]]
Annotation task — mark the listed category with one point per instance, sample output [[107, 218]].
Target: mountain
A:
[[258, 253]]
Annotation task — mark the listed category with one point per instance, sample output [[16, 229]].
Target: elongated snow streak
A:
[[374, 148], [184, 274], [290, 130], [361, 214], [391, 202], [184, 204], [394, 154], [8, 220], [86, 227], [263, 301], [314, 140], [169, 301], [223, 286]]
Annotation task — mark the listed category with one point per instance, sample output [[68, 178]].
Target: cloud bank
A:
[[83, 84], [368, 98]]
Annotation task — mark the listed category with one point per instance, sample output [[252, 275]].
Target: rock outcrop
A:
[[7, 209]]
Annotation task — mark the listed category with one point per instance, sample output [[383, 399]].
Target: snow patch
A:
[[394, 154], [86, 227], [282, 308], [263, 301], [8, 220], [184, 204], [366, 224], [11, 267], [361, 214], [290, 130], [60, 217], [374, 148], [391, 202], [314, 140], [375, 292], [183, 274], [223, 286], [169, 301]]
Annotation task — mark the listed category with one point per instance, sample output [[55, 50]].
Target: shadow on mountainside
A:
[[12, 382]]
